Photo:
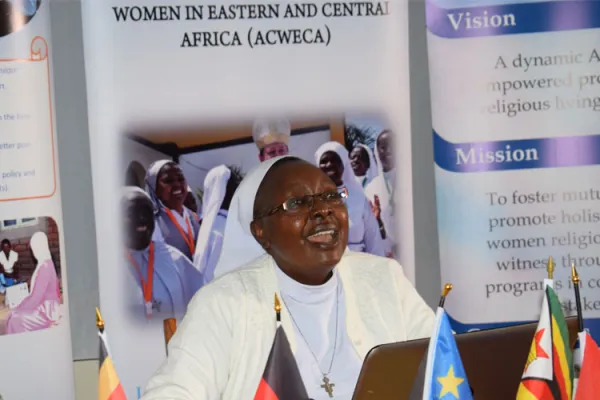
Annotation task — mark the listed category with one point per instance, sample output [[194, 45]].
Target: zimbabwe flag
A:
[[281, 379], [548, 372], [109, 386]]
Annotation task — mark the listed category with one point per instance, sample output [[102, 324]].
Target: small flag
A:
[[281, 379], [548, 373], [445, 376], [109, 386], [588, 387]]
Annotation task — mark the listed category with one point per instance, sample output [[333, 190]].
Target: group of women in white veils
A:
[[370, 185], [171, 251]]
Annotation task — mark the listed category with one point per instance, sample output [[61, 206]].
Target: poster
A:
[[516, 118], [208, 91], [34, 319]]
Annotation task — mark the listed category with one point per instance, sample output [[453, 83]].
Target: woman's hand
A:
[[376, 207]]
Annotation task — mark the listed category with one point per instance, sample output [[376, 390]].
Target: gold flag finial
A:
[[277, 308], [99, 320], [277, 304], [550, 268], [445, 291], [574, 275]]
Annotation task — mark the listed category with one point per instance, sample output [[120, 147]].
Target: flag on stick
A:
[[586, 357], [588, 387], [281, 379], [548, 371], [443, 376], [109, 386]]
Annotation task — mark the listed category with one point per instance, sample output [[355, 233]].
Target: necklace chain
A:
[[337, 298]]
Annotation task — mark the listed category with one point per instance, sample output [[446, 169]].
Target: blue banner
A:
[[511, 19], [506, 155]]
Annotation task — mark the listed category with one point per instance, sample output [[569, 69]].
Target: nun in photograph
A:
[[365, 230], [381, 190], [219, 186], [41, 308], [167, 187], [161, 279], [363, 164]]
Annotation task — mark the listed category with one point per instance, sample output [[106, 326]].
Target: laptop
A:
[[494, 361]]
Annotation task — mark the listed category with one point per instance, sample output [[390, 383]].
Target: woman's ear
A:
[[259, 234]]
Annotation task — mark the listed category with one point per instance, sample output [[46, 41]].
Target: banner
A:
[[515, 93], [186, 98], [35, 334]]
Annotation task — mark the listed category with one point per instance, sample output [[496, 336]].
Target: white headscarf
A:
[[239, 246], [348, 177], [150, 182], [40, 247], [373, 165], [215, 187]]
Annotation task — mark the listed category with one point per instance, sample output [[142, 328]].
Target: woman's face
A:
[[331, 164], [171, 186], [307, 244], [138, 218], [359, 160], [385, 149]]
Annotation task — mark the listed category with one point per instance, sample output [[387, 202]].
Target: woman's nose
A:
[[320, 209]]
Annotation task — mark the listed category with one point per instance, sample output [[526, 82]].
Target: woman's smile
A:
[[178, 193], [324, 236]]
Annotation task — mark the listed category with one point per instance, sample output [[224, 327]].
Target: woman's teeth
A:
[[141, 228], [322, 237]]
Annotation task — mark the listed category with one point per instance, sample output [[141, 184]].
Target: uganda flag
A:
[[548, 372], [281, 379], [109, 387]]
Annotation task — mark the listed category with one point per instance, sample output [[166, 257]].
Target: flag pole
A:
[[445, 291], [99, 321], [550, 268], [576, 282]]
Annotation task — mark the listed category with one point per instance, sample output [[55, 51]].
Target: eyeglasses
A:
[[298, 205]]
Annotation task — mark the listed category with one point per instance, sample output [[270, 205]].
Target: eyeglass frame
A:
[[283, 207]]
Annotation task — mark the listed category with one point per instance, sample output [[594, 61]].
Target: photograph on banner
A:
[[14, 14], [30, 275], [370, 142], [179, 183]]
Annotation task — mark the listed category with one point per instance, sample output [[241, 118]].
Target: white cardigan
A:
[[221, 348]]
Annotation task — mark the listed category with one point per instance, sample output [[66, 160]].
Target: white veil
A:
[[239, 246], [215, 187]]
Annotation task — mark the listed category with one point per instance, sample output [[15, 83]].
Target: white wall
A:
[[134, 151]]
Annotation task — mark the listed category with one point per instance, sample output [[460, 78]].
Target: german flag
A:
[[281, 379], [548, 372], [109, 386]]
